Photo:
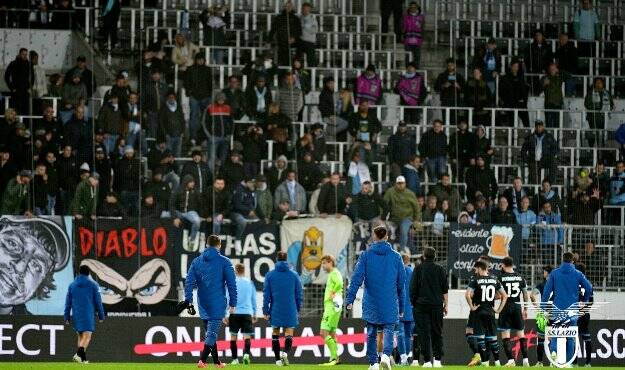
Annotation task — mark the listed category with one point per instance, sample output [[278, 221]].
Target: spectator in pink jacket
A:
[[412, 24]]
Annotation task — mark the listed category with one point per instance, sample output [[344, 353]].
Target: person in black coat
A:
[[233, 171], [513, 93], [433, 147], [78, 134], [19, 78], [199, 170], [367, 205], [102, 166], [501, 215], [111, 206], [127, 180], [568, 60], [276, 174], [235, 97], [159, 189], [449, 84], [86, 75], [536, 58], [254, 150], [461, 148], [217, 204], [333, 197], [198, 84], [401, 147], [540, 150], [310, 173], [255, 94], [480, 178], [285, 32]]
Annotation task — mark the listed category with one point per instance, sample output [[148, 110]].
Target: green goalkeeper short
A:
[[330, 320]]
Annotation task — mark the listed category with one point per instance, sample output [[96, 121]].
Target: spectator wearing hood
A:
[[433, 147], [86, 75], [111, 207], [276, 174], [540, 150], [149, 207], [172, 124], [450, 84], [368, 86], [461, 149], [285, 32], [513, 94], [244, 206], [292, 191], [187, 206], [412, 25], [233, 170], [16, 199], [217, 204], [411, 89], [525, 216], [481, 180], [110, 120]]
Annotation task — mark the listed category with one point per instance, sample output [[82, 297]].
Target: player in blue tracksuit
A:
[[83, 299], [563, 288], [282, 300], [211, 273], [381, 270], [406, 323]]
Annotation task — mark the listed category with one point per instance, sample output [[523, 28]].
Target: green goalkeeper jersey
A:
[[334, 284]]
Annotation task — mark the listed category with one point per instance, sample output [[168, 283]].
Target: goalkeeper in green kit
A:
[[332, 307]]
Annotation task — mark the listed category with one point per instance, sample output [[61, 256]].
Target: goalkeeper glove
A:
[[185, 305]]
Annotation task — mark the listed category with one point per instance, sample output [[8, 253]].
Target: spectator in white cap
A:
[[403, 210]]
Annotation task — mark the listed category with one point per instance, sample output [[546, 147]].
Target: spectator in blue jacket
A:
[[563, 288], [525, 216], [244, 316], [412, 172], [406, 323], [83, 299], [381, 270], [550, 235], [211, 273], [617, 185], [282, 300], [244, 206]]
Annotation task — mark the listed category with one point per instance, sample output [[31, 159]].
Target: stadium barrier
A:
[[171, 339]]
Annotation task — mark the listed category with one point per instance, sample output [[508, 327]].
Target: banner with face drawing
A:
[[35, 264], [133, 261]]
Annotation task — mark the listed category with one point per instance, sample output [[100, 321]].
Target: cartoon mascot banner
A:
[[306, 240]]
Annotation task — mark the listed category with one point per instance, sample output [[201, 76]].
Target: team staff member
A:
[[211, 273], [428, 295], [83, 299], [332, 307], [244, 316], [282, 300], [583, 324], [381, 270], [512, 318], [564, 284], [541, 321]]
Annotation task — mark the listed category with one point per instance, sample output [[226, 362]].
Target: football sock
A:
[[523, 343], [331, 343], [205, 352], [248, 346], [288, 343], [481, 345], [472, 343], [275, 346], [507, 347], [81, 353], [587, 348], [540, 349], [493, 345], [215, 353], [415, 348], [233, 348]]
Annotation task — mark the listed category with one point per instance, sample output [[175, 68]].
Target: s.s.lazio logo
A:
[[561, 332]]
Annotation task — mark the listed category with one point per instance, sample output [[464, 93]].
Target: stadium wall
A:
[[168, 339]]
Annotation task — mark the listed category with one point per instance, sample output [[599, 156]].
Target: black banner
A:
[[170, 339], [134, 261], [468, 242], [257, 251]]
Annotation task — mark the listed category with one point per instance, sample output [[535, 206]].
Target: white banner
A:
[[306, 240]]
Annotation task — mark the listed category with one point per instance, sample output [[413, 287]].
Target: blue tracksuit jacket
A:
[[82, 301], [282, 296], [382, 271], [565, 282], [211, 273], [407, 304]]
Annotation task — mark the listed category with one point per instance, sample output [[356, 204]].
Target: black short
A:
[[242, 323], [583, 324], [511, 319], [471, 321], [485, 323]]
